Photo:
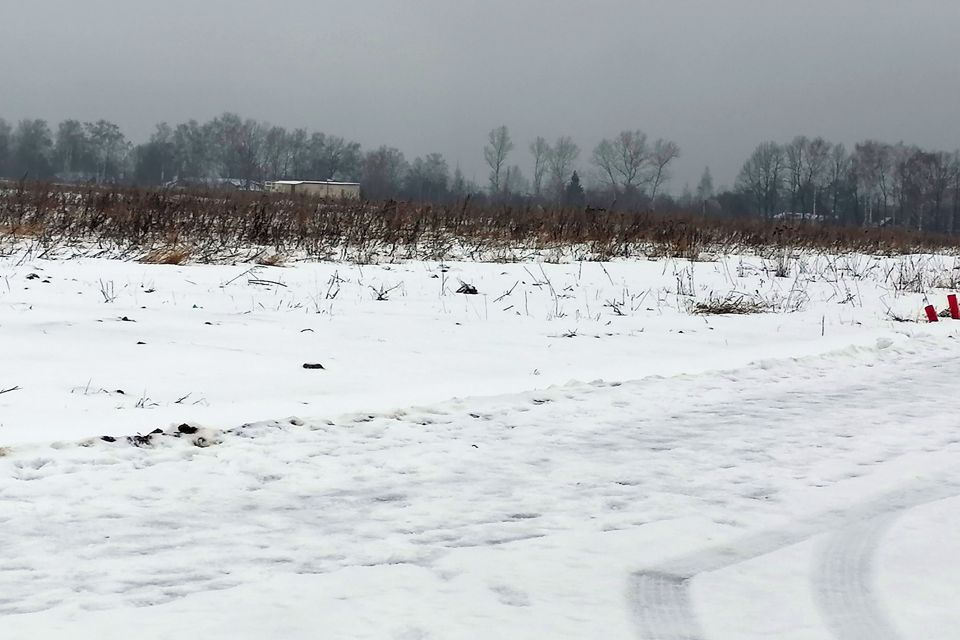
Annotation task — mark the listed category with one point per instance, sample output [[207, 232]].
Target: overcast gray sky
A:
[[717, 76]]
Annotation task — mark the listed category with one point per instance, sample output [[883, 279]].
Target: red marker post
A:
[[931, 313], [954, 307]]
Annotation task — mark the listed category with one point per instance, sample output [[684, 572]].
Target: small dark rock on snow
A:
[[307, 365], [467, 289]]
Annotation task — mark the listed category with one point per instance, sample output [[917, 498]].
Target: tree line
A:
[[626, 172], [630, 172], [873, 184]]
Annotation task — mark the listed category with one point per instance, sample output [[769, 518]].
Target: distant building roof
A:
[[330, 182]]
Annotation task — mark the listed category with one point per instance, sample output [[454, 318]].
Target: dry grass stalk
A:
[[221, 223]]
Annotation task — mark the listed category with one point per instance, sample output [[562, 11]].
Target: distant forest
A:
[[874, 184]]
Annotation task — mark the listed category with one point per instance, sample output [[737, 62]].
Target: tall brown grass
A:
[[155, 222]]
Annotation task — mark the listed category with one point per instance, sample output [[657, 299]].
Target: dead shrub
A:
[[28, 230], [273, 260], [166, 255]]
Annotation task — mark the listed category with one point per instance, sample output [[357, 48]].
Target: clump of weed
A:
[[731, 304]]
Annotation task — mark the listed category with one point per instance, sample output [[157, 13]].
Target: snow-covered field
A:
[[568, 453]]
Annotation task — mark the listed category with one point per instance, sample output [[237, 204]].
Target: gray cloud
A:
[[717, 76]]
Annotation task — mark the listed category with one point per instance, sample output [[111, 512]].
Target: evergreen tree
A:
[[574, 195]]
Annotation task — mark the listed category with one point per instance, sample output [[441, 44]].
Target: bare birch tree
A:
[[495, 153]]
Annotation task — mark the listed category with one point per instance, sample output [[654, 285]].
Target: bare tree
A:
[[276, 151], [838, 175], [299, 143], [32, 149], [193, 154], [795, 154], [762, 177], [239, 146], [72, 149], [940, 178], [563, 155], [333, 158], [428, 179], [921, 184], [6, 132], [955, 178], [344, 158], [622, 161], [458, 185], [384, 170], [109, 147], [906, 184], [514, 182], [816, 171], [806, 170], [154, 161], [705, 187], [495, 153], [872, 166], [540, 150], [664, 153]]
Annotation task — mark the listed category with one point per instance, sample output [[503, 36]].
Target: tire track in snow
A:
[[393, 476], [662, 607], [843, 581]]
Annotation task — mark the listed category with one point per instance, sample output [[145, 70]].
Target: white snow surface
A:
[[569, 453]]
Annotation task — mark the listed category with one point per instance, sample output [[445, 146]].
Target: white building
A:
[[316, 188]]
